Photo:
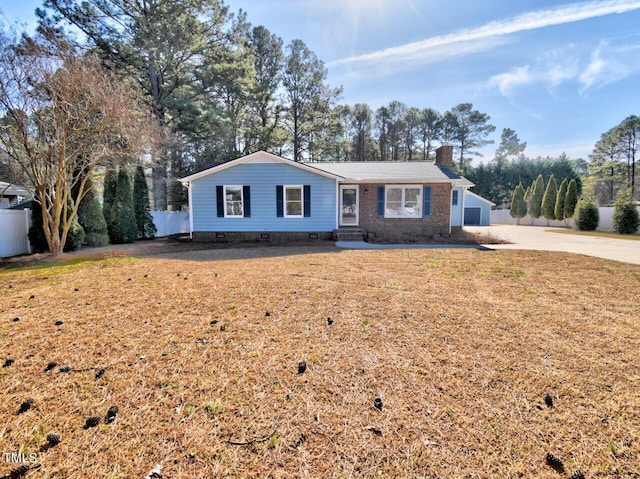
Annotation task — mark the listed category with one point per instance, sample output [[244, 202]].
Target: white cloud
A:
[[424, 49], [609, 65], [606, 65], [579, 148], [553, 69], [394, 65], [558, 73], [506, 82]]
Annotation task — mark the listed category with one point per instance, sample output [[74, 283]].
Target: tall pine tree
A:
[[109, 195], [144, 221]]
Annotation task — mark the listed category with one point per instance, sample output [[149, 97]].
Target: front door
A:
[[349, 205]]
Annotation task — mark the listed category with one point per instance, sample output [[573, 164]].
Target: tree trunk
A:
[[296, 139], [159, 170]]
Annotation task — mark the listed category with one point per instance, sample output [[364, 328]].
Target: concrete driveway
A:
[[546, 238]]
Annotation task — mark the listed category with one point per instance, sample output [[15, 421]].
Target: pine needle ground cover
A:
[[417, 363]]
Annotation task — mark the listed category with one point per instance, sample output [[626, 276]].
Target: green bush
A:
[[535, 201], [560, 199], [571, 200], [586, 216], [75, 236], [144, 220], [625, 215], [91, 218], [518, 204], [549, 199], [122, 227], [109, 195]]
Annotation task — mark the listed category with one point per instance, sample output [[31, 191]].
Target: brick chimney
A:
[[444, 156]]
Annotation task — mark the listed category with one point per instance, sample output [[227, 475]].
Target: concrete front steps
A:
[[348, 233]]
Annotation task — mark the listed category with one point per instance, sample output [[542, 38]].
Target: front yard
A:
[[456, 348]]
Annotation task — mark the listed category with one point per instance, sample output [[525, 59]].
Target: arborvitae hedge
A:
[[560, 199], [537, 192], [91, 218], [571, 200], [144, 220], [122, 227], [109, 195], [549, 199], [518, 203]]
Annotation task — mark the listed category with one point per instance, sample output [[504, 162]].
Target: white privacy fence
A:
[[14, 228], [14, 232], [170, 222], [502, 217]]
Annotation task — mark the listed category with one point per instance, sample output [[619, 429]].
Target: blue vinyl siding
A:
[[262, 179], [456, 210]]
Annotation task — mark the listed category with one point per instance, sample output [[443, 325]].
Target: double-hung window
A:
[[233, 202], [403, 201], [293, 202]]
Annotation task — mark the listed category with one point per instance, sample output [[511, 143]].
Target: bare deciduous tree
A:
[[61, 116]]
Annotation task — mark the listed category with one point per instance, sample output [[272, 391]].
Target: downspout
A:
[[190, 211], [464, 190], [337, 204], [451, 207], [27, 218]]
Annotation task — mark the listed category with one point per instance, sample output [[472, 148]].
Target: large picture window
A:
[[403, 201], [293, 202], [233, 202]]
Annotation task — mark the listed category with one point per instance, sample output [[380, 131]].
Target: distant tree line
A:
[[222, 88], [497, 179]]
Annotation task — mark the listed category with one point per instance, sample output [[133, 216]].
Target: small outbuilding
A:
[[11, 195], [477, 210]]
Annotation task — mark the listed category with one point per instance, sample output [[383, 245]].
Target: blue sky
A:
[[559, 73]]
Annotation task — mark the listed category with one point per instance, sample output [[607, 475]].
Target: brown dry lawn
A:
[[461, 346]]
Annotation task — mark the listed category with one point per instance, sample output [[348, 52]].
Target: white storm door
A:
[[349, 205]]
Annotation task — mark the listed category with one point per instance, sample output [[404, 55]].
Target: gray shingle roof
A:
[[392, 171]]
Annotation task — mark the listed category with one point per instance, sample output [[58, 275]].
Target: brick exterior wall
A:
[[444, 156], [271, 237], [404, 230]]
